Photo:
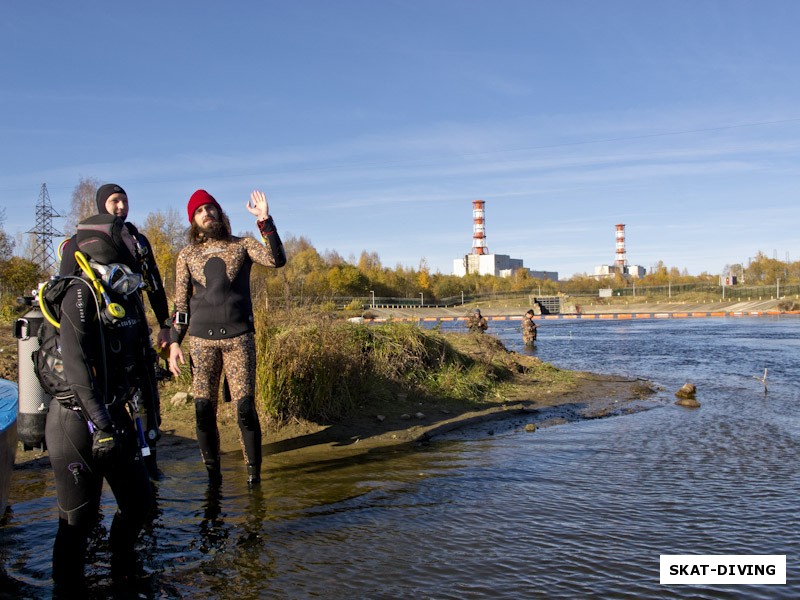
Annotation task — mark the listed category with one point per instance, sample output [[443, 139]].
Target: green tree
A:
[[447, 286], [765, 271], [347, 280], [20, 275]]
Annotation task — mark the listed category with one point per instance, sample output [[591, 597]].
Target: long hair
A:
[[196, 235]]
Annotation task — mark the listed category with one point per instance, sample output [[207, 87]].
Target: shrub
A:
[[316, 368]]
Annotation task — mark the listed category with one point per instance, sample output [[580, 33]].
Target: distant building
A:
[[499, 265], [479, 261], [551, 275], [627, 271]]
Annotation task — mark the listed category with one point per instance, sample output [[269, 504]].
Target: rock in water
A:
[[688, 402], [686, 396]]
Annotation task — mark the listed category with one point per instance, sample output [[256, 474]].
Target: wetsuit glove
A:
[[104, 445]]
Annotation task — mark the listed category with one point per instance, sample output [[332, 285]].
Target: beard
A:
[[215, 231]]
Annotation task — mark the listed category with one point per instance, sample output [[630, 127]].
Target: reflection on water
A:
[[582, 510]]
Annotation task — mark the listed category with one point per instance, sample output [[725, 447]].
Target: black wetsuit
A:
[[101, 389]]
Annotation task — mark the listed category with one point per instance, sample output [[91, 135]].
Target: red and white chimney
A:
[[621, 261], [478, 228]]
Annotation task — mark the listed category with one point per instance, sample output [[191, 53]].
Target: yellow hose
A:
[[43, 306], [114, 309]]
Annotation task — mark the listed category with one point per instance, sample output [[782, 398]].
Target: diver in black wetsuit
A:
[[111, 199], [93, 435]]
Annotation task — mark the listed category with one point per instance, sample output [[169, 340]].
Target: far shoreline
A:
[[499, 311]]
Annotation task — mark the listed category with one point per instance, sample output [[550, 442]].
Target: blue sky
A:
[[372, 125]]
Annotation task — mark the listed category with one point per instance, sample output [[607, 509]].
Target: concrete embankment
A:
[[631, 310]]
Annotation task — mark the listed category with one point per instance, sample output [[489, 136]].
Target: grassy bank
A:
[[328, 385], [318, 368]]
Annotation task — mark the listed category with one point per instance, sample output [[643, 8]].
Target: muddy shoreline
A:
[[592, 396], [526, 406], [530, 395]]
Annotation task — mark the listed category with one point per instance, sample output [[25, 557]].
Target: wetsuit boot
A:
[[208, 439], [151, 463], [250, 428], [69, 560], [214, 473], [253, 474]]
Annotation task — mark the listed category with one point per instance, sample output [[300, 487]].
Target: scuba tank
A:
[[33, 400]]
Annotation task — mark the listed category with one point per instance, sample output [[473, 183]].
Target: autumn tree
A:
[[6, 243], [347, 280], [424, 276], [19, 275], [521, 280], [764, 270], [305, 270], [83, 203], [369, 263], [167, 235], [445, 286]]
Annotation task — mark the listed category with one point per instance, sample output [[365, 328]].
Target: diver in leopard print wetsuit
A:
[[213, 305]]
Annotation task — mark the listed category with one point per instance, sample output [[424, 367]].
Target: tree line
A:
[[311, 276]]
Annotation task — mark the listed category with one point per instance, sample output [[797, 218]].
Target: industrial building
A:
[[620, 266], [481, 262]]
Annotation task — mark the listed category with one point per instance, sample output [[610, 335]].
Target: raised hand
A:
[[258, 206]]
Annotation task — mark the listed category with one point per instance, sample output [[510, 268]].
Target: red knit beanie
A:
[[197, 200]]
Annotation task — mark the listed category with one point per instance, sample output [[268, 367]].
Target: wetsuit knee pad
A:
[[247, 412], [204, 413]]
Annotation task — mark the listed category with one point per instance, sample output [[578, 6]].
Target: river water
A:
[[582, 510]]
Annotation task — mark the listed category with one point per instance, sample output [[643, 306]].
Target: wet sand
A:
[[524, 402], [590, 396]]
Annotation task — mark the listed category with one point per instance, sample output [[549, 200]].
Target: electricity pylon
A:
[[43, 253]]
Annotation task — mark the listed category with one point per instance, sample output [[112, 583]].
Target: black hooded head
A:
[[104, 192], [100, 237]]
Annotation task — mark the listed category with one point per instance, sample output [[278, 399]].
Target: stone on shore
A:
[[181, 399]]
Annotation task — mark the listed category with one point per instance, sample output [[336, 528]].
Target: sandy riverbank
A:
[[530, 393], [525, 402]]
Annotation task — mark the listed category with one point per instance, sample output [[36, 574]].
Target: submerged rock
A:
[[530, 427], [686, 396], [688, 402]]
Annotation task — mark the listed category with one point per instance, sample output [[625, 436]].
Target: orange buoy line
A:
[[609, 316]]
